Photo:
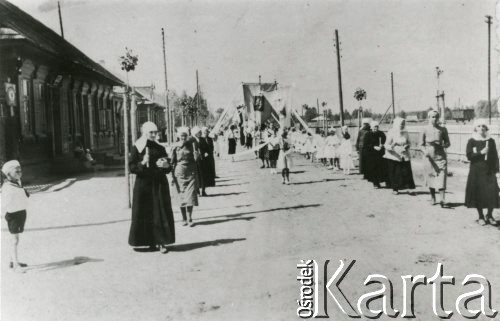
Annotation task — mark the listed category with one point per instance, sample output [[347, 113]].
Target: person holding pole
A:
[[184, 157], [152, 217], [433, 142], [482, 187]]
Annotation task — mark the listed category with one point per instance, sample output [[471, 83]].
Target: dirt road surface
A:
[[239, 261]]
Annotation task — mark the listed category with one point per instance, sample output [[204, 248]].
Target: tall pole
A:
[[339, 73], [392, 92], [60, 19], [167, 114], [197, 96], [318, 110], [488, 21], [125, 142]]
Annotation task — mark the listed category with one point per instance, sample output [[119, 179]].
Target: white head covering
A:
[[475, 134], [344, 128], [195, 130], [366, 121], [145, 128], [9, 166], [396, 124], [430, 112], [374, 123], [182, 130]]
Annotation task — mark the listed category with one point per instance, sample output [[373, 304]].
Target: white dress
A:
[[332, 146], [319, 146], [285, 157], [345, 152]]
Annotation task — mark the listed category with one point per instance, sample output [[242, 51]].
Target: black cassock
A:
[[207, 163], [360, 142], [375, 164], [152, 216]]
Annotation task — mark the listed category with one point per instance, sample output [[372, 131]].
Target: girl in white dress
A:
[[345, 151]]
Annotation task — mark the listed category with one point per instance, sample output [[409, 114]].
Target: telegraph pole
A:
[[60, 19], [167, 114], [392, 91], [489, 22], [339, 73], [197, 97]]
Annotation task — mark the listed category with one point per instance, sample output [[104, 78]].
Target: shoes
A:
[[184, 223], [163, 249], [23, 265], [263, 166], [395, 193], [191, 224], [283, 182], [481, 222], [204, 194], [491, 220]]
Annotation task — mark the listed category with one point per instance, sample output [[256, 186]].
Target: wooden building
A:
[[54, 99]]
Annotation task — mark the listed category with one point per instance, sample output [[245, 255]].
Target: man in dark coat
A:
[[206, 162], [360, 144]]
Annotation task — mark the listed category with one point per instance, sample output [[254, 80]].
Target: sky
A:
[[231, 42]]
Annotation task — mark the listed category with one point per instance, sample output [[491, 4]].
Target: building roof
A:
[[150, 95], [46, 39]]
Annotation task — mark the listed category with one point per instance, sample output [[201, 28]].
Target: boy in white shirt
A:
[[14, 205]]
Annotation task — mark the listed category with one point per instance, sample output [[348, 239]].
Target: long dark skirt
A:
[[400, 175], [248, 141], [207, 172], [232, 146], [152, 216], [375, 168], [274, 154], [481, 190]]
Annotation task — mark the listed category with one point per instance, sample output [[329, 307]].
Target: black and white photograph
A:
[[171, 160]]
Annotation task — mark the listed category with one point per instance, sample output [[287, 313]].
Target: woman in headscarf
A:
[[397, 153], [207, 162], [345, 151], [376, 166], [360, 145], [184, 156], [433, 141], [152, 216], [482, 188]]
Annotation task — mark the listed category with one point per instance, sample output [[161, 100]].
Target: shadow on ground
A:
[[276, 209], [318, 181], [211, 222], [199, 245], [77, 260]]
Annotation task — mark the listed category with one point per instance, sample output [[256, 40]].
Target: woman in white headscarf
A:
[[345, 151], [397, 153], [184, 157], [152, 216], [482, 188], [433, 141]]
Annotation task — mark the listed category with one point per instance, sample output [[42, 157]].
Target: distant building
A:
[[461, 115]]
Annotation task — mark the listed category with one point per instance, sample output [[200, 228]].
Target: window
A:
[[26, 108]]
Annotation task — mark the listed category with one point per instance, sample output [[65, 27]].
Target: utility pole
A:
[[339, 73], [197, 97], [167, 114], [489, 22], [60, 19], [441, 111], [392, 91]]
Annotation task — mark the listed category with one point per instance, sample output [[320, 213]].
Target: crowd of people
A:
[[382, 159]]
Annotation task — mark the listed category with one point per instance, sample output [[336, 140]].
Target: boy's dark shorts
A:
[[16, 221]]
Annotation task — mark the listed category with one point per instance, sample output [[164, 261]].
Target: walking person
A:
[[285, 157], [206, 162], [231, 141], [14, 207], [152, 216], [433, 141], [274, 150], [397, 153], [376, 165], [331, 150], [365, 129], [345, 151], [482, 188], [184, 156]]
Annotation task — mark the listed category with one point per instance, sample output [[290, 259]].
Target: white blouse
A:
[[14, 198]]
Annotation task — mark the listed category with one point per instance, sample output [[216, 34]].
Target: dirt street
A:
[[239, 261]]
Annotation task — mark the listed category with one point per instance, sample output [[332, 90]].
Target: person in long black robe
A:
[[360, 145], [152, 217], [211, 152], [375, 163], [482, 187], [206, 160]]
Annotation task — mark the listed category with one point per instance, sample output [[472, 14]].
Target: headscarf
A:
[[366, 121], [374, 123], [147, 127], [433, 111], [182, 130], [475, 134], [396, 124], [9, 166]]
